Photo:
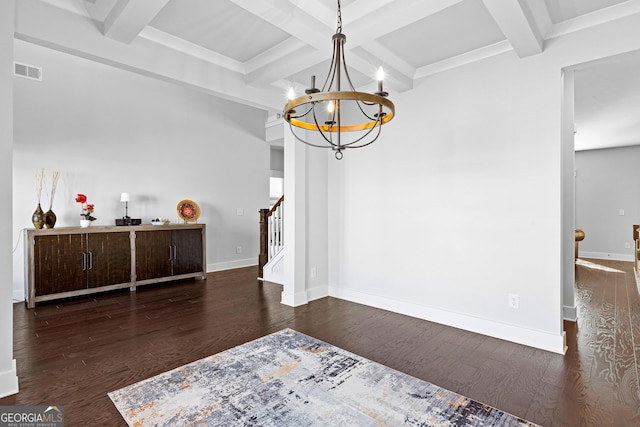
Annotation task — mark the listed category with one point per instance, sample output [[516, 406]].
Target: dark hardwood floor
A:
[[73, 352]]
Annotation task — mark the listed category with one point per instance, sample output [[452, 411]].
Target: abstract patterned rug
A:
[[290, 379]]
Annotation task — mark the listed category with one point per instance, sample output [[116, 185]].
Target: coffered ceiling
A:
[[252, 51]]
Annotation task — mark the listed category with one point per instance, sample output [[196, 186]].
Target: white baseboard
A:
[[230, 265], [18, 295], [570, 313], [301, 298], [294, 300], [605, 255], [317, 292], [532, 338], [9, 381]]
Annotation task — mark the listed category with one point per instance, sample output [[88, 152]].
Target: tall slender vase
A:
[[50, 219], [38, 217]]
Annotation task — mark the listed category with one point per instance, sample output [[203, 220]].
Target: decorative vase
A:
[[50, 219], [84, 223], [38, 218]]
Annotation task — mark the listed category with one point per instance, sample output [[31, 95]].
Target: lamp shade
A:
[[124, 197]]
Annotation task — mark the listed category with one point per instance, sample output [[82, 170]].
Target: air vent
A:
[[27, 71]]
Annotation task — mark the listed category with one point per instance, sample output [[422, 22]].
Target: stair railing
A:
[[271, 233]]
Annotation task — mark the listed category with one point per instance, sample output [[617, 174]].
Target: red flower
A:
[[87, 208]]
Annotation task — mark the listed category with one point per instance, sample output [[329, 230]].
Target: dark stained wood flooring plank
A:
[[73, 352]]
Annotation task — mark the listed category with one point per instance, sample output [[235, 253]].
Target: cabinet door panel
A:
[[59, 263], [110, 259], [188, 251], [153, 251]]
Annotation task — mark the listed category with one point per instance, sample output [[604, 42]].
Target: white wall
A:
[[608, 181], [276, 159], [110, 131], [306, 220], [8, 378], [567, 181], [459, 203], [317, 214]]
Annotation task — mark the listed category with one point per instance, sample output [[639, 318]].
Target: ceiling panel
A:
[[407, 36], [562, 10], [439, 36], [219, 26], [607, 103]]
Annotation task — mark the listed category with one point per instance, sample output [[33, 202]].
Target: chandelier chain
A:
[[339, 30]]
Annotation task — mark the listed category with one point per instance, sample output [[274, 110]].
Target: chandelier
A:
[[344, 119]]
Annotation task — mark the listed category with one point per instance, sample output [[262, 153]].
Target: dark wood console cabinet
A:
[[75, 261], [168, 253]]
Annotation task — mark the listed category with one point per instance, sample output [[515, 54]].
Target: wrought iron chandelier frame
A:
[[310, 105]]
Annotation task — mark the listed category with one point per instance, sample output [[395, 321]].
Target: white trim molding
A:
[[516, 334], [606, 255], [9, 381], [570, 313], [230, 265]]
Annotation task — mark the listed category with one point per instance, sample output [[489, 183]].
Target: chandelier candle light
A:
[[306, 112]]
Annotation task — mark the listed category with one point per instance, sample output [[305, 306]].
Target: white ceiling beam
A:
[[78, 36], [387, 58], [463, 59], [541, 16], [392, 17], [593, 19], [181, 45], [387, 17], [361, 8], [128, 18], [374, 18], [293, 20], [274, 54], [394, 80], [318, 9], [287, 66], [272, 65], [518, 25], [350, 13]]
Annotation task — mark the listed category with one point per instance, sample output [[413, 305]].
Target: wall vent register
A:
[[27, 71]]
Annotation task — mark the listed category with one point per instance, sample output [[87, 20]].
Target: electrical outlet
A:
[[238, 249], [314, 272], [239, 211], [627, 245], [621, 212], [514, 301]]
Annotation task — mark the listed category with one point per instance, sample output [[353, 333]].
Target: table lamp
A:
[[126, 219], [124, 197]]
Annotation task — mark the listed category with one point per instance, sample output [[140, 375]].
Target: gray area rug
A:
[[290, 379]]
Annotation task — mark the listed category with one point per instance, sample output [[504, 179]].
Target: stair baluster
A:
[[271, 233]]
